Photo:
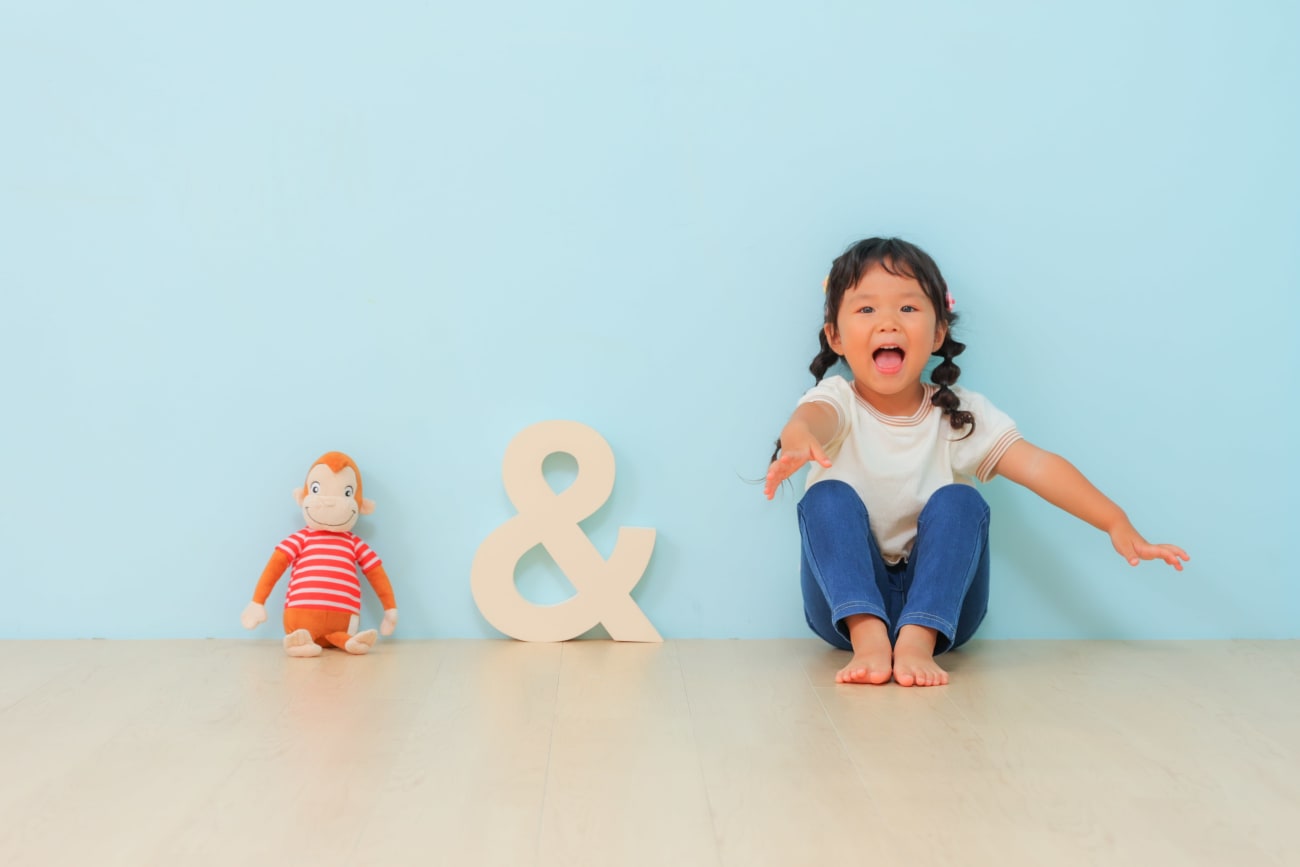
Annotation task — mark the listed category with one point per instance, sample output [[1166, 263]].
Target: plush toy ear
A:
[[367, 506], [298, 495]]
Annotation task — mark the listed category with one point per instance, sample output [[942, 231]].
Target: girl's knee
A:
[[961, 497], [832, 494]]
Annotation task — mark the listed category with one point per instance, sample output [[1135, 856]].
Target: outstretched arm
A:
[[803, 439], [1056, 480]]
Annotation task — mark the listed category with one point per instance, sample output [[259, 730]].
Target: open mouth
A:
[[889, 359]]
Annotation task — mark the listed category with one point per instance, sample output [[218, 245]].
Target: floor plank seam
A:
[[550, 748], [846, 752], [699, 759]]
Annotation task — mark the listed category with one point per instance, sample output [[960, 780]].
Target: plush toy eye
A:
[[347, 492], [315, 487]]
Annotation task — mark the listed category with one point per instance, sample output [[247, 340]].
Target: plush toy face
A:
[[330, 500]]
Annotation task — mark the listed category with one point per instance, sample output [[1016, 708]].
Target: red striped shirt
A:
[[325, 569]]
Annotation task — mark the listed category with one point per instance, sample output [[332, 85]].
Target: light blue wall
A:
[[236, 235]]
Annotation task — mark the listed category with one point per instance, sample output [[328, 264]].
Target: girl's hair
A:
[[902, 259]]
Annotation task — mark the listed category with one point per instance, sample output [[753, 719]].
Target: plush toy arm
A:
[[384, 590], [254, 613], [274, 569]]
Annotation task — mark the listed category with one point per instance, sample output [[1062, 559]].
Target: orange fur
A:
[[336, 461], [378, 579], [274, 569], [327, 628]]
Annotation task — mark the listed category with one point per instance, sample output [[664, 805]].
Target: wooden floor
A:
[[685, 753]]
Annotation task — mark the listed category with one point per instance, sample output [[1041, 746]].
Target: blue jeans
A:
[[943, 585]]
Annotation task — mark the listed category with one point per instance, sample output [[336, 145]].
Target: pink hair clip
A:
[[951, 302]]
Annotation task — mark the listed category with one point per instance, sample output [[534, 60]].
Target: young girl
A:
[[895, 538]]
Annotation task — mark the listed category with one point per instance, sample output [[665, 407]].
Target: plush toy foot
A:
[[361, 643], [300, 643]]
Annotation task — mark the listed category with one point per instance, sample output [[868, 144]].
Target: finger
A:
[[1170, 558], [1166, 553], [793, 462], [773, 482], [819, 456], [782, 468], [774, 479], [1165, 547], [796, 462], [1135, 551], [1124, 548]]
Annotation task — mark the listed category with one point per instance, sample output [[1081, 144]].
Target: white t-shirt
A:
[[897, 463]]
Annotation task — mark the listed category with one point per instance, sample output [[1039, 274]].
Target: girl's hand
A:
[[1133, 548], [791, 459], [801, 441]]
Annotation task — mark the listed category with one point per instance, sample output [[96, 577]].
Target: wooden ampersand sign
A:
[[603, 586]]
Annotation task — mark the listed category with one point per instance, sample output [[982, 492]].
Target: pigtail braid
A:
[[825, 359], [945, 375]]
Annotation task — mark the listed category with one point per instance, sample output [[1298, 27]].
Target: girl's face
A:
[[886, 331]]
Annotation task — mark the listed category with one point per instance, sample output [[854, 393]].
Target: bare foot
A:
[[361, 642], [300, 643], [914, 663], [871, 651]]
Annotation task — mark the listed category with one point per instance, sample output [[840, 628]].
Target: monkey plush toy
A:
[[322, 606]]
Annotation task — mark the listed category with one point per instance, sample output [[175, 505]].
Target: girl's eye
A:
[[908, 308], [315, 487], [867, 310], [347, 492]]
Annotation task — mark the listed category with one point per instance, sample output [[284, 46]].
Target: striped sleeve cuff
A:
[[985, 471]]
